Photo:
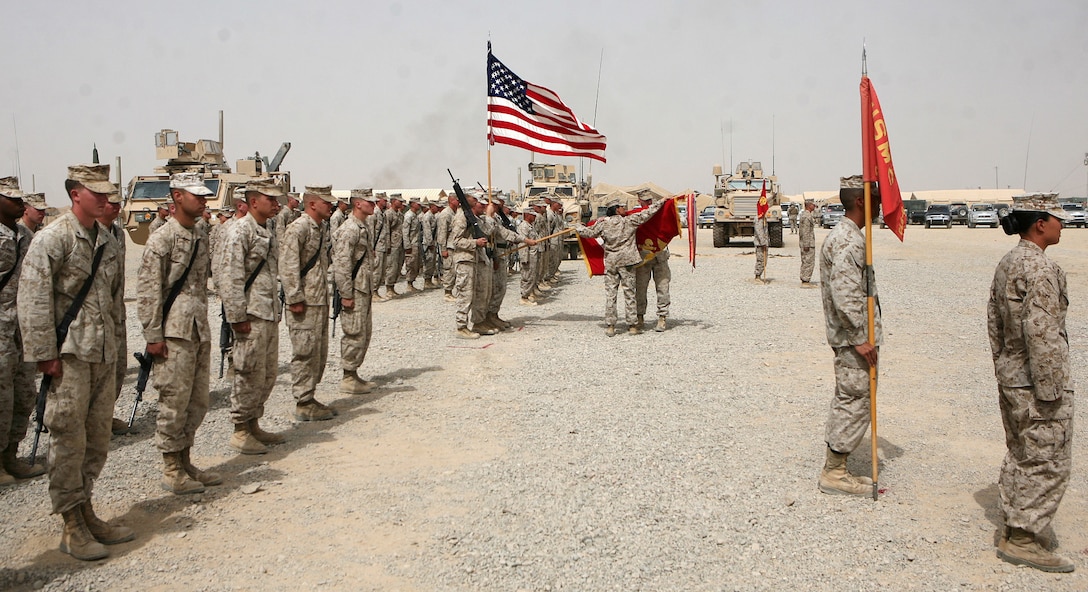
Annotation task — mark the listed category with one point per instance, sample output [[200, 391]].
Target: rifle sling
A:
[[7, 276], [313, 260], [77, 302], [175, 289]]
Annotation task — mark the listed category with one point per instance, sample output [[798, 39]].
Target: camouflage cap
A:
[[9, 187], [114, 197], [35, 200], [645, 195], [163, 206], [1039, 202], [528, 211], [397, 196], [851, 182], [191, 182], [95, 177], [413, 200], [268, 187], [614, 202], [323, 192], [483, 199]]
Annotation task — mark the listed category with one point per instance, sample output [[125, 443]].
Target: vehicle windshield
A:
[[160, 190], [938, 209], [983, 207], [1073, 206], [836, 208], [747, 184], [708, 211]]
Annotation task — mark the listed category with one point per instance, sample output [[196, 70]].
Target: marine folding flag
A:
[[878, 159], [762, 206], [651, 237], [531, 117]]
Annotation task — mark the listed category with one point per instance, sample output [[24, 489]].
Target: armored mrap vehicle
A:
[[735, 200], [559, 181], [146, 192]]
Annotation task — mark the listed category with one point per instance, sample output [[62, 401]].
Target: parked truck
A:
[[735, 199], [146, 192]]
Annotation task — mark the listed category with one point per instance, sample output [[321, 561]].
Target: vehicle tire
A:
[[774, 234], [1002, 212], [994, 226], [969, 225], [949, 224], [721, 238], [927, 224]]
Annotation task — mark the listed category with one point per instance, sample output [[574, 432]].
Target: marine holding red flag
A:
[[878, 165], [763, 205]]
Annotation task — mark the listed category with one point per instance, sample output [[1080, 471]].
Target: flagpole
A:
[[867, 136]]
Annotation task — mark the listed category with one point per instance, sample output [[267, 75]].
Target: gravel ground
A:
[[554, 458]]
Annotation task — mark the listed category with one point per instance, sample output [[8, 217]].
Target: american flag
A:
[[522, 114]]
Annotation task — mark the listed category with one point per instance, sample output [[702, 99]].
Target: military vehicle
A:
[[559, 181], [146, 192], [735, 200]]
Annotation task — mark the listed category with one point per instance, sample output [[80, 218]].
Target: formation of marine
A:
[[62, 314]]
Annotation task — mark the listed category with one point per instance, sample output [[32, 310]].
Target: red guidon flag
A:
[[651, 237], [762, 206], [877, 155]]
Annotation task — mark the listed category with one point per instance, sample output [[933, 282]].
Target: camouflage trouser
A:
[[122, 361], [761, 260], [449, 275], [555, 254], [1039, 438], [358, 326], [614, 280], [393, 263], [658, 269], [412, 265], [530, 271], [429, 266], [808, 263], [309, 331], [849, 416], [17, 389], [79, 414], [377, 276], [481, 296], [256, 359], [182, 382], [499, 278], [464, 286]]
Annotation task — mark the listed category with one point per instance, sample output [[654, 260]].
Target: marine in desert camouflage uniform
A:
[[1026, 325], [110, 220], [378, 230], [806, 239], [442, 241], [530, 257], [16, 375], [429, 232], [162, 214], [249, 250], [658, 270], [503, 235], [842, 284], [180, 343], [34, 214], [761, 240], [304, 265], [353, 260], [80, 399], [394, 224], [617, 231], [413, 243]]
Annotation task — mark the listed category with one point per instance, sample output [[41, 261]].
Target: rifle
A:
[[144, 359], [39, 410], [226, 338], [470, 217], [337, 306]]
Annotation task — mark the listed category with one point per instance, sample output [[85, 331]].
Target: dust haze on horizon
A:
[[975, 94]]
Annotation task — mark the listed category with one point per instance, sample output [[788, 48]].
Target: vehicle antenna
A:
[[18, 160], [772, 143], [596, 100], [1027, 152]]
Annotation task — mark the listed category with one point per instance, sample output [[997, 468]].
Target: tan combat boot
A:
[[262, 436], [448, 297], [660, 324], [205, 477], [174, 477], [351, 384], [16, 469], [1021, 548], [428, 284], [835, 479], [464, 333], [312, 411], [77, 541], [495, 322], [390, 292], [412, 289], [103, 531], [484, 328], [244, 442], [610, 331], [634, 330], [528, 301]]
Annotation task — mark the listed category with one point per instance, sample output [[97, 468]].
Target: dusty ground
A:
[[554, 458]]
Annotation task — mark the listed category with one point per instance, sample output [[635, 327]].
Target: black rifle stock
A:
[[226, 338], [144, 359], [39, 418], [337, 306], [470, 217]]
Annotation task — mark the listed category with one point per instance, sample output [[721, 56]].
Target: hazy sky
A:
[[392, 93]]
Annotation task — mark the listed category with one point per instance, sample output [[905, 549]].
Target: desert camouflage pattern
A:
[[849, 415], [530, 259], [256, 363], [17, 390], [337, 218], [181, 379], [352, 243], [302, 239], [1026, 325], [618, 233], [428, 230], [56, 265], [500, 273], [806, 229], [443, 222], [842, 287], [395, 226], [309, 333], [413, 245], [156, 224], [658, 270], [615, 280], [245, 245], [166, 255]]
